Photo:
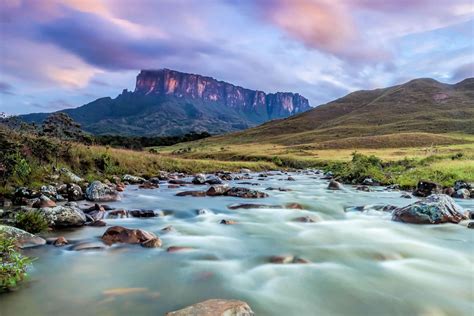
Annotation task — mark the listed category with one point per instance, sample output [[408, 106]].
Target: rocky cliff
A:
[[254, 102]]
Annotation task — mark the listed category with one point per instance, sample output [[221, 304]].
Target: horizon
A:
[[51, 59]]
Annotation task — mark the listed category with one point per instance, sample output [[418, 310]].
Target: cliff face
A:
[[252, 102]]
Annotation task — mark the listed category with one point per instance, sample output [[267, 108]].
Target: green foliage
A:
[[32, 222], [277, 161], [13, 264], [361, 167]]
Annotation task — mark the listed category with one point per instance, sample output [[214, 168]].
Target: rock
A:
[[199, 179], [71, 176], [435, 209], [227, 222], [334, 185], [462, 194], [24, 196], [471, 214], [406, 195], [143, 213], [213, 180], [251, 206], [98, 223], [152, 243], [178, 248], [369, 181], [49, 190], [202, 212], [74, 192], [278, 189], [177, 181], [217, 190], [426, 188], [22, 238], [290, 179], [117, 213], [148, 185], [173, 186], [393, 187], [192, 193], [470, 225], [168, 229], [64, 216], [119, 234], [287, 259], [245, 193], [85, 246], [363, 188], [215, 307], [163, 176], [133, 179], [44, 201], [245, 170], [294, 206], [99, 192], [449, 191], [305, 219], [459, 184], [97, 215], [60, 241]]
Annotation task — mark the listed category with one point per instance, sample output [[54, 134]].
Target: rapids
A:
[[362, 263]]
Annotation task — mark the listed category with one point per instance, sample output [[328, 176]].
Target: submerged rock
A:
[[148, 185], [426, 188], [287, 259], [334, 185], [215, 307], [178, 249], [192, 193], [22, 238], [100, 192], [435, 209], [227, 222], [143, 213], [87, 245], [60, 241], [119, 234]]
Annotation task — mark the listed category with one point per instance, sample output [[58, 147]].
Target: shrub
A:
[[13, 264], [32, 222]]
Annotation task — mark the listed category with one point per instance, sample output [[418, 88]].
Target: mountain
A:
[[168, 102], [420, 105]]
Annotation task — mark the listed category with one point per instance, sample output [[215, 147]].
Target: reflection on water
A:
[[361, 262]]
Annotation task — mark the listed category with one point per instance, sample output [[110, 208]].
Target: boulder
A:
[[64, 216], [133, 179], [217, 190], [49, 190], [470, 225], [70, 175], [99, 192], [44, 201], [143, 213], [426, 188], [334, 185], [212, 180], [117, 214], [245, 170], [245, 193], [99, 223], [119, 234], [22, 238], [435, 209], [199, 179], [458, 185], [215, 307], [364, 188], [290, 179], [462, 194]]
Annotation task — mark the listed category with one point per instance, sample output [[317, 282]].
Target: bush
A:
[[32, 222], [13, 264]]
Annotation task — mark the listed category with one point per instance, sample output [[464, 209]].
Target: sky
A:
[[57, 54]]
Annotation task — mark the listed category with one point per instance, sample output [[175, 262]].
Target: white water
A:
[[362, 262]]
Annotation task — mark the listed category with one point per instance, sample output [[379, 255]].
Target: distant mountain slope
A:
[[167, 102], [421, 105]]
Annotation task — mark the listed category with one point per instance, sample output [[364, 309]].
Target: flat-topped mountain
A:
[[168, 102], [420, 105]]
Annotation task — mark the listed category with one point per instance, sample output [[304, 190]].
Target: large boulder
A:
[[462, 194], [74, 192], [22, 238], [68, 215], [246, 193], [426, 188], [199, 179], [334, 185], [100, 192], [133, 179], [435, 209], [215, 307], [119, 234]]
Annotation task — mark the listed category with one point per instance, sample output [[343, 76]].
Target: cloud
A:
[[6, 88], [463, 72]]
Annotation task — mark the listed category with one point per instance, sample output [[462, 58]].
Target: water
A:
[[362, 263]]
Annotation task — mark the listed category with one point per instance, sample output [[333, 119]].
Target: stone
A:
[[213, 180], [192, 193], [173, 186], [117, 213], [294, 206], [44, 201], [305, 219], [217, 190], [470, 225], [152, 243], [119, 234], [99, 192], [60, 241], [334, 185], [22, 238], [215, 307], [74, 192], [168, 229], [199, 179], [290, 179], [99, 223], [97, 215], [178, 248], [278, 189], [364, 188], [462, 194], [143, 213], [63, 216], [227, 222], [287, 259], [449, 191], [224, 176], [459, 184], [435, 209], [178, 181], [245, 193], [71, 176], [251, 206], [148, 185], [88, 246], [245, 170], [49, 190], [369, 181], [426, 188], [406, 195], [133, 179]]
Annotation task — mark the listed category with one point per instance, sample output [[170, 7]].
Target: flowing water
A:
[[362, 263]]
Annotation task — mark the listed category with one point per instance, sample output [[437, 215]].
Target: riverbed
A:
[[360, 262]]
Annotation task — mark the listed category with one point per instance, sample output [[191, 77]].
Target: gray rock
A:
[[74, 192], [64, 216], [213, 180], [70, 175], [22, 238], [215, 307], [435, 209], [199, 179], [133, 179], [49, 190], [462, 194], [99, 192]]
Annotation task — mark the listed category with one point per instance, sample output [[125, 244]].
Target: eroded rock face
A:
[[100, 192], [215, 307], [119, 234], [22, 238], [435, 209]]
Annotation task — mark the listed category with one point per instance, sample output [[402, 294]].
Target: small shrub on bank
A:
[[32, 222], [13, 264]]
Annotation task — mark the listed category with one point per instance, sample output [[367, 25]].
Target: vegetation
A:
[[13, 264], [32, 222]]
